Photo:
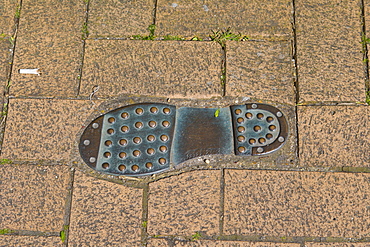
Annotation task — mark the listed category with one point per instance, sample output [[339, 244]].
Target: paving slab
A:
[[263, 19], [118, 18], [334, 136], [33, 197], [157, 68], [261, 70], [337, 244], [104, 212], [43, 129], [49, 38], [185, 204], [212, 243], [282, 203], [263, 202], [8, 11], [30, 241], [329, 59], [337, 204]]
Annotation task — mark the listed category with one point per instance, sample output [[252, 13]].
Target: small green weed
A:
[[11, 40], [85, 31], [196, 236], [142, 37], [151, 29], [5, 161], [368, 98], [62, 233], [221, 36], [18, 12], [5, 231], [195, 38], [217, 112], [365, 40], [4, 112], [170, 37], [144, 224]]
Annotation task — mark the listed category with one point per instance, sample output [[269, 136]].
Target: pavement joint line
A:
[[17, 232], [222, 202], [4, 111], [365, 53], [85, 34], [68, 206], [144, 217], [265, 238], [296, 78]]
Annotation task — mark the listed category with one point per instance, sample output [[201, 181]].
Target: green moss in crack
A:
[[368, 98], [196, 236], [195, 38], [62, 233], [5, 231], [18, 12], [85, 31], [221, 36], [5, 161], [151, 36]]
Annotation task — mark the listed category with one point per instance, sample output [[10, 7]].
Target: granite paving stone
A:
[[262, 19], [334, 136], [185, 204], [30, 241], [329, 47], [8, 9], [278, 203], [43, 129], [260, 70], [33, 197], [49, 38], [104, 212], [263, 202], [158, 68], [118, 18], [211, 243]]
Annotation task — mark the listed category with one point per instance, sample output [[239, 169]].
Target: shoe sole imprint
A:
[[144, 139]]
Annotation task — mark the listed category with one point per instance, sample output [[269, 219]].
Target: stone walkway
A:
[[308, 58]]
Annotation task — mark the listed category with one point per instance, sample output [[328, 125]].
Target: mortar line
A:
[[68, 206], [83, 38], [365, 50], [6, 92], [222, 202], [223, 70], [296, 78], [154, 20], [144, 216], [31, 233]]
